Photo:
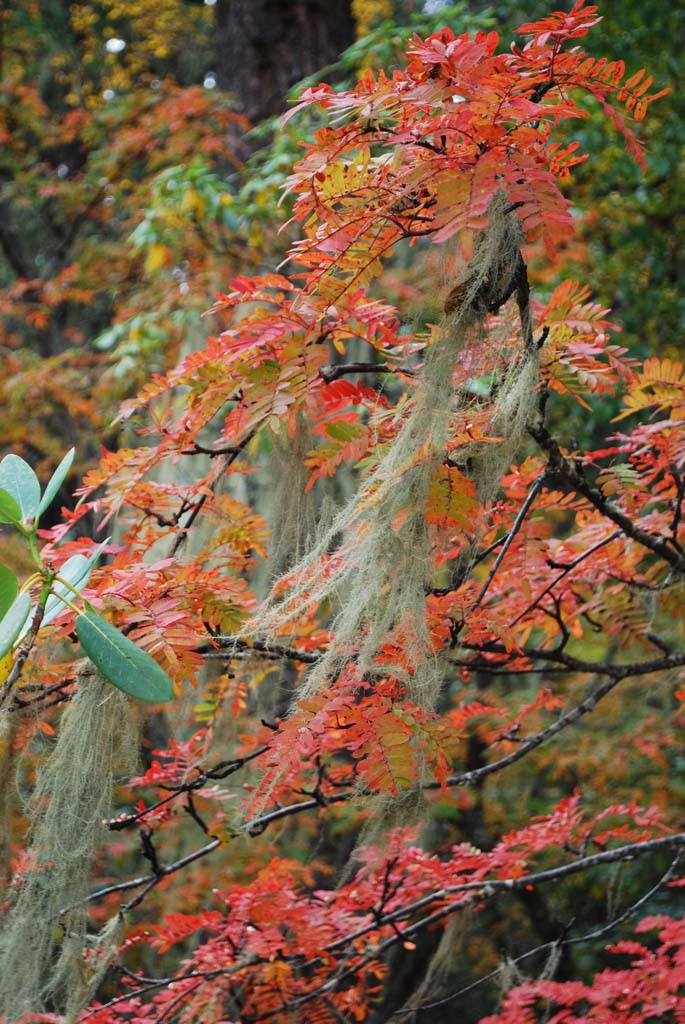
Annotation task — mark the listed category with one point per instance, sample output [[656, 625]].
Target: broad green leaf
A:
[[9, 588], [19, 480], [56, 481], [9, 509], [75, 571], [122, 663], [13, 621]]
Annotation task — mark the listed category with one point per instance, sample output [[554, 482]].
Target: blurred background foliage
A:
[[130, 192]]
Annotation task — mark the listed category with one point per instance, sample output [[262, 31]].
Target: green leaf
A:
[[342, 431], [9, 588], [19, 480], [108, 339], [75, 571], [9, 509], [56, 481], [121, 662], [13, 621]]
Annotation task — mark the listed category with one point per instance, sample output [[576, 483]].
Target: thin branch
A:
[[220, 771], [27, 644], [557, 656], [170, 1007], [549, 947], [566, 569], [518, 523], [258, 825], [331, 373], [574, 478], [267, 647], [461, 573], [584, 708], [144, 880], [213, 453], [488, 887], [678, 510], [233, 453], [152, 986], [481, 890], [676, 659]]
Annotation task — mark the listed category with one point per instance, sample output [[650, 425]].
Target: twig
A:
[[144, 880], [559, 943], [518, 522], [480, 890], [331, 373], [560, 466], [273, 650], [565, 570]]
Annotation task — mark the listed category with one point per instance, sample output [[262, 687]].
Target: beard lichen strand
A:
[[440, 969], [45, 936], [85, 960], [7, 760], [384, 564], [293, 516]]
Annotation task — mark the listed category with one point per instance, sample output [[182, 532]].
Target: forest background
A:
[[132, 192]]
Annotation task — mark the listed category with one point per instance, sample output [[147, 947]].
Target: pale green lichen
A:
[[385, 560], [45, 937], [7, 760], [293, 510]]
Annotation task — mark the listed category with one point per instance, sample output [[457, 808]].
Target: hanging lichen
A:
[[43, 942], [7, 758], [293, 510], [385, 562], [442, 966], [85, 961]]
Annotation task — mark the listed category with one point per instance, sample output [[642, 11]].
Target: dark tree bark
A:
[[265, 46]]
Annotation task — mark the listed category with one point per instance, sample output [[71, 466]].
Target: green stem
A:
[[68, 603], [33, 548]]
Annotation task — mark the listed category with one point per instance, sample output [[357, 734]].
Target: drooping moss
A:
[[46, 934], [293, 520], [7, 758], [385, 560]]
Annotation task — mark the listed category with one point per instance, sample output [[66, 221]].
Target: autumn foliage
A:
[[104, 187], [462, 675]]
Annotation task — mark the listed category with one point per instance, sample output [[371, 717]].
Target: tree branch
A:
[[550, 947], [574, 478], [331, 373]]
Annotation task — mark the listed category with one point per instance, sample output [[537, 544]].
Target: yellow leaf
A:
[[193, 202], [156, 257], [6, 664]]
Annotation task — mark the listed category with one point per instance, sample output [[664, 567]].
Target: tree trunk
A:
[[265, 46]]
